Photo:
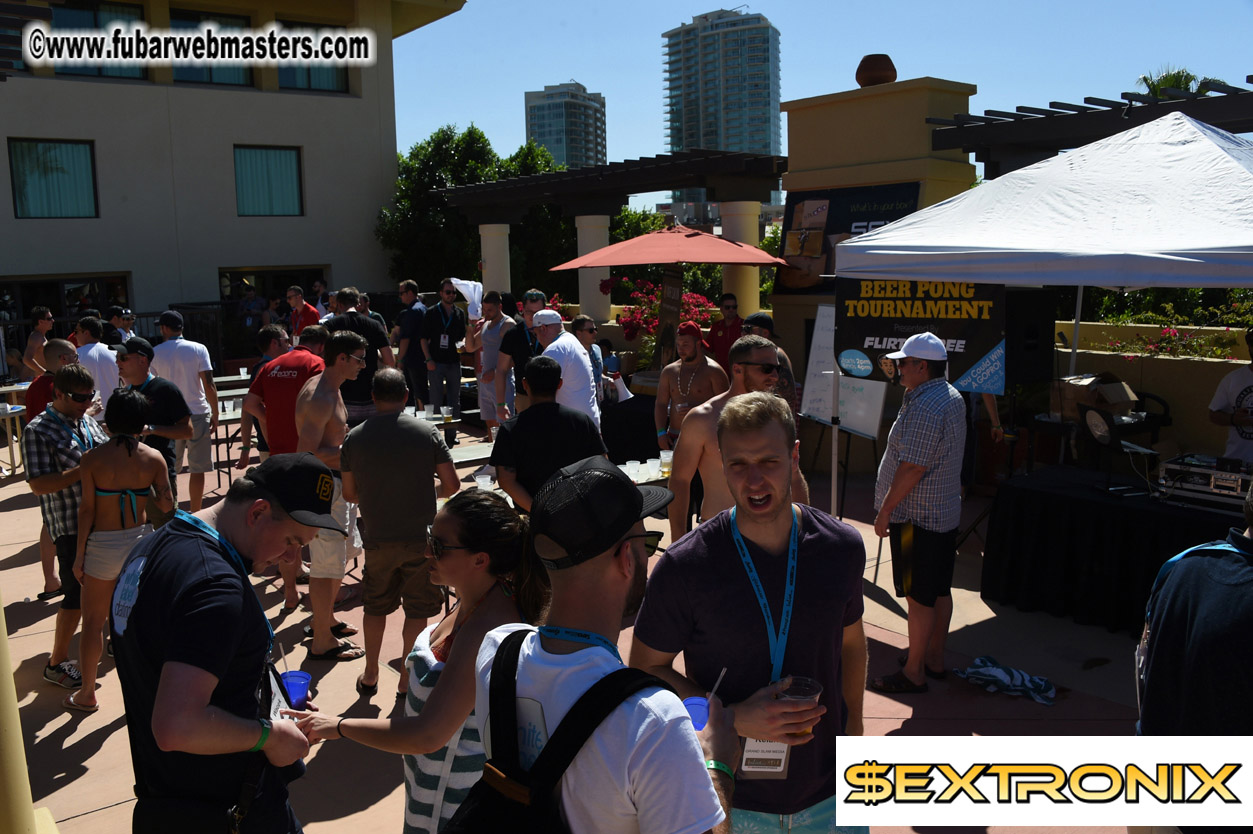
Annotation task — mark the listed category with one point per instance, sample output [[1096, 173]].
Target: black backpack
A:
[[507, 798]]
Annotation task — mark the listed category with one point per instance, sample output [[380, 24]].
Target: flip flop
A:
[[339, 630], [367, 689], [47, 595], [344, 651], [935, 676], [898, 684], [69, 703]]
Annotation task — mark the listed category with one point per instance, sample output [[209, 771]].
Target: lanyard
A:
[[447, 319], [145, 385], [236, 560], [589, 638], [84, 442], [778, 640]]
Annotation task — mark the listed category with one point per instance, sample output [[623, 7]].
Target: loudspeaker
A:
[[1030, 316]]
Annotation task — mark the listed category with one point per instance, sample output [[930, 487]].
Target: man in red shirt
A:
[[303, 313], [271, 401], [724, 333], [57, 353]]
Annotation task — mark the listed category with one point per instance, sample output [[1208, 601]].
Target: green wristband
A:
[[265, 734], [713, 764]]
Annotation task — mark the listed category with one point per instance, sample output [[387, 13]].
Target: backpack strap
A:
[[502, 693], [580, 722]]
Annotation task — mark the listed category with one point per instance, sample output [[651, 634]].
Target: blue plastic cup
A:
[[698, 708], [297, 685]]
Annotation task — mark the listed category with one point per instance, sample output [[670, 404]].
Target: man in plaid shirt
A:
[[918, 499], [52, 445]]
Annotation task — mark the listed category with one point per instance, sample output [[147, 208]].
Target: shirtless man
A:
[[754, 367], [322, 422], [685, 383], [40, 327]]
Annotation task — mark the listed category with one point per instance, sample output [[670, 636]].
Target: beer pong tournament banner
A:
[[874, 318]]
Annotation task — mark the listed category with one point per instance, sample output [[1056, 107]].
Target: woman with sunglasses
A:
[[480, 550], [111, 517]]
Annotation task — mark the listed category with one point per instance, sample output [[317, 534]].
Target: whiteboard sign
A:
[[861, 404], [816, 402]]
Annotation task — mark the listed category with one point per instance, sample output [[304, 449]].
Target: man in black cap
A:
[[192, 645], [170, 417], [644, 767]]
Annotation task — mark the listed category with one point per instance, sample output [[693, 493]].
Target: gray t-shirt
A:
[[492, 334], [393, 459]]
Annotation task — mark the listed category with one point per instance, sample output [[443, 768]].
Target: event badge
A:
[[443, 341], [764, 759]]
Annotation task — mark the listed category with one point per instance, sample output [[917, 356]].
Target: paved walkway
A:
[[80, 764]]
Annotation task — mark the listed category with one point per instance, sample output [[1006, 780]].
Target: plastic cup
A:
[[654, 468], [446, 411], [633, 469], [801, 688], [483, 482], [428, 411], [297, 685], [667, 461], [698, 708]]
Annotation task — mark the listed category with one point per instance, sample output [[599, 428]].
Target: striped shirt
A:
[[930, 430], [437, 783], [53, 443]]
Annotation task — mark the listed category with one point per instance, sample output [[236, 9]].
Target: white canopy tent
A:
[[1165, 204]]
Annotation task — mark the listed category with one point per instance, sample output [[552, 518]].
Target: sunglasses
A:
[[651, 541], [589, 329], [81, 398], [438, 548], [766, 367], [360, 359]]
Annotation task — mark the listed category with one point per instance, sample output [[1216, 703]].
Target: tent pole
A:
[[1074, 337]]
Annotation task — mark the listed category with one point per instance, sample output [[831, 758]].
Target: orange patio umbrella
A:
[[675, 245]]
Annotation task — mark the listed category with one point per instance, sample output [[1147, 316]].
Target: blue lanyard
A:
[[145, 385], [778, 640], [84, 442], [236, 560], [589, 638], [447, 320]]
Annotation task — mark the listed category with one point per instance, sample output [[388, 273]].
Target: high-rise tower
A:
[[570, 122]]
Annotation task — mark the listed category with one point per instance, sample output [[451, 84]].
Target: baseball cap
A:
[[922, 346], [302, 485], [543, 317], [762, 320], [587, 508], [172, 319], [135, 345], [691, 328]]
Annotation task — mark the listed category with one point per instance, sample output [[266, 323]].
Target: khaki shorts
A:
[[199, 448], [395, 571], [328, 552]]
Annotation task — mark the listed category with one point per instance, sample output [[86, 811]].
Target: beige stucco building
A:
[[167, 155]]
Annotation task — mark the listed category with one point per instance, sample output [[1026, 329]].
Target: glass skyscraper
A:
[[570, 122]]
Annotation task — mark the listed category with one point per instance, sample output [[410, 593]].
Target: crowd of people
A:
[[756, 588]]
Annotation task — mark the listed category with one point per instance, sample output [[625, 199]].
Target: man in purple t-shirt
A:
[[701, 601]]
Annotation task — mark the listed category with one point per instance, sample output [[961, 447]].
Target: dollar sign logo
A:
[[871, 778]]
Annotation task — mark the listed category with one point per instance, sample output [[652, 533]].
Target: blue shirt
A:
[[930, 431]]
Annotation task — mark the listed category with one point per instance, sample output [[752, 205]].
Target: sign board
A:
[[875, 317], [861, 405], [861, 400]]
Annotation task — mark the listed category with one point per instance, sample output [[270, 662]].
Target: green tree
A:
[[1176, 78]]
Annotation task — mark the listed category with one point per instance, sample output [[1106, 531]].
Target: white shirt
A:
[[102, 363], [577, 390], [641, 772], [1235, 393], [181, 362]]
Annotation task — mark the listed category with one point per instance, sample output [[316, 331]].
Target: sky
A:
[[474, 66]]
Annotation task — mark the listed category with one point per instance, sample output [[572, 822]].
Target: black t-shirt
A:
[[435, 324], [410, 323], [168, 407], [542, 439], [179, 599], [358, 390], [111, 335], [521, 345]]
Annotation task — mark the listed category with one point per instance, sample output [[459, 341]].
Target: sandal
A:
[[935, 676], [69, 703], [898, 684], [344, 651], [367, 689]]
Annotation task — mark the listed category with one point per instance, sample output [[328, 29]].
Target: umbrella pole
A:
[[1074, 336]]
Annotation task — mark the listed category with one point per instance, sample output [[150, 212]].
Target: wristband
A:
[[338, 731], [501, 405], [714, 764], [663, 432], [265, 734]]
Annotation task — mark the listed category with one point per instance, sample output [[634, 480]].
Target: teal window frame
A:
[[261, 175], [56, 201], [73, 15], [227, 76]]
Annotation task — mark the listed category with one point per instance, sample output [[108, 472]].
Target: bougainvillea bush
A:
[[639, 318]]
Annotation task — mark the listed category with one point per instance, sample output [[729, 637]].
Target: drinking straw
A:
[[714, 691]]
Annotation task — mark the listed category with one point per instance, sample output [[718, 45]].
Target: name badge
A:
[[443, 341], [764, 759]]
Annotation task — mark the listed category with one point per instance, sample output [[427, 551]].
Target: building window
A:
[[267, 182], [52, 179], [85, 14], [237, 76], [304, 77]]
